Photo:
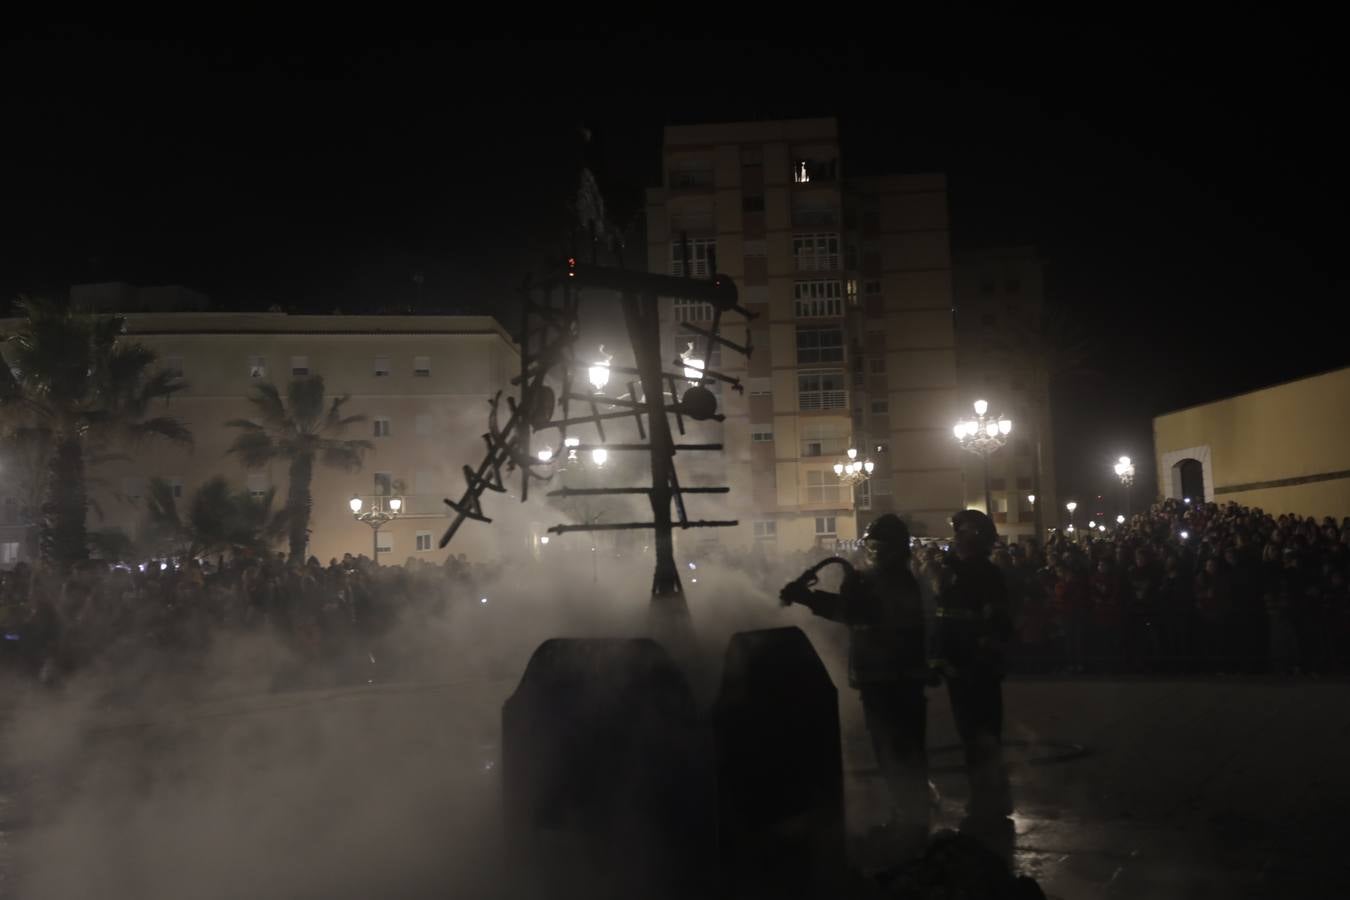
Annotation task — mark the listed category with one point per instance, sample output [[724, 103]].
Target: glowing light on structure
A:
[[598, 373], [599, 455]]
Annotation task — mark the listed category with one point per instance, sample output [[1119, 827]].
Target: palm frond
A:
[[305, 400], [268, 401], [165, 427], [254, 448]]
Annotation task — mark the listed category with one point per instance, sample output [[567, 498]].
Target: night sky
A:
[[1188, 190]]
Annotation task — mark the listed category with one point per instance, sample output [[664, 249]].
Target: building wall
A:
[[435, 421], [1285, 449], [743, 186], [1000, 298]]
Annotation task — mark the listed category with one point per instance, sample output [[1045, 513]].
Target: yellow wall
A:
[[1291, 431]]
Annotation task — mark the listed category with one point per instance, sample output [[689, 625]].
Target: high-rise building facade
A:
[[853, 347], [1003, 357]]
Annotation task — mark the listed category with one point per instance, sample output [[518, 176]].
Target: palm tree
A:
[[217, 520], [80, 391], [298, 431]]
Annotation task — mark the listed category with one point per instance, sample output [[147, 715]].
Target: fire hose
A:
[[812, 575]]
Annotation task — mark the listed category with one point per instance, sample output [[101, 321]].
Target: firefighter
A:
[[882, 607], [972, 624]]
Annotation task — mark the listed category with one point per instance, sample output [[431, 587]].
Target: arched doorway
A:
[[1190, 478]]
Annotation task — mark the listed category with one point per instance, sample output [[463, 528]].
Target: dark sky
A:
[[1187, 189]]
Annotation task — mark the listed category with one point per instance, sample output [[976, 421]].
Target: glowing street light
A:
[[598, 373], [383, 510], [983, 435], [693, 366], [1071, 506], [599, 455], [1092, 526], [545, 455], [850, 470], [1120, 520], [1125, 472]]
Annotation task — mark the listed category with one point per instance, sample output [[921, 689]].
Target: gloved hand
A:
[[794, 592]]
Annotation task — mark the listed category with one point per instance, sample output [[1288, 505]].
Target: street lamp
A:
[[1071, 506], [983, 435], [693, 366], [1125, 472], [376, 517], [598, 373], [851, 470], [1120, 520]]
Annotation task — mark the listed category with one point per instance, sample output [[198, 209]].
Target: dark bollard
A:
[[779, 768], [607, 774]]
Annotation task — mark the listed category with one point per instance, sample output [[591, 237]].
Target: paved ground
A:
[[1155, 789]]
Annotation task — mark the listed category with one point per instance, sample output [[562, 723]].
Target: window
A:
[[818, 298], [877, 365], [1023, 483], [175, 485], [133, 487], [174, 366], [766, 530], [687, 310], [881, 487], [691, 173], [9, 512], [761, 387], [257, 484], [761, 434], [880, 407], [825, 526], [816, 252], [381, 426], [299, 365], [257, 367], [872, 288], [805, 171], [757, 248], [819, 345], [851, 289], [702, 257], [821, 390], [384, 484], [384, 542], [752, 203], [813, 448], [381, 366], [862, 495], [822, 487], [9, 553], [424, 540], [422, 426], [422, 366], [1001, 505]]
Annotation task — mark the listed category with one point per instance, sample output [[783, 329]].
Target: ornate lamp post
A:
[[983, 435], [383, 510], [1071, 506], [1125, 472], [851, 470]]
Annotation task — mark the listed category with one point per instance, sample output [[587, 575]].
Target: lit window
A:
[[381, 366], [819, 345], [422, 366], [766, 530], [422, 426], [381, 426], [257, 367], [424, 540], [299, 365], [851, 288], [384, 542], [1001, 505], [825, 526], [9, 553]]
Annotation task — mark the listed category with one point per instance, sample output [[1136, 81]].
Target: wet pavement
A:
[[1126, 788]]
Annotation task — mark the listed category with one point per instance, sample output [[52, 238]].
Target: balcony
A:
[[415, 506], [816, 401], [824, 262], [813, 217], [690, 179]]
